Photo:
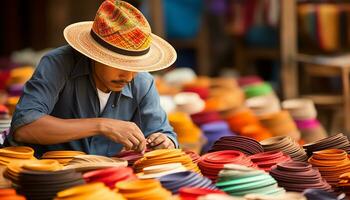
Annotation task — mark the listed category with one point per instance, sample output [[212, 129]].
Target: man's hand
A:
[[126, 133], [159, 141]]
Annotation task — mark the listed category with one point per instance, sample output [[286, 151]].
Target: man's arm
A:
[[51, 130], [153, 118], [32, 123]]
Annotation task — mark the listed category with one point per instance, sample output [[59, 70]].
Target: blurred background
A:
[[298, 47]]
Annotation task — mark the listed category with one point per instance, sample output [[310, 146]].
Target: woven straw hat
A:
[[120, 37]]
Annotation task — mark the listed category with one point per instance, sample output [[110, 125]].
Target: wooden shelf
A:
[[325, 100], [342, 60]]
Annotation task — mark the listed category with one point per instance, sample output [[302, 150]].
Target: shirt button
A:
[[113, 105]]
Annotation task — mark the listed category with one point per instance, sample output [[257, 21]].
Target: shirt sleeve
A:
[[152, 116], [40, 93]]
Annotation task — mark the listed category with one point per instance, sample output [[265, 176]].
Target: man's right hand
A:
[[124, 132]]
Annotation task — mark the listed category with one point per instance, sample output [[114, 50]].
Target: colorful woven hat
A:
[[120, 37]]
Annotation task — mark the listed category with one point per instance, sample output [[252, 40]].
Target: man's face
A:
[[111, 79]]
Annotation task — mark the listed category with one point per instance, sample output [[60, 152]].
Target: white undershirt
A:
[[103, 97]]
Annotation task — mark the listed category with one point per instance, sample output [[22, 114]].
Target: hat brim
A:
[[160, 56]]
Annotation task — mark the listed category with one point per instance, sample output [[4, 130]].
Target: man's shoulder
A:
[[63, 54], [143, 82], [65, 50], [64, 57], [144, 79]]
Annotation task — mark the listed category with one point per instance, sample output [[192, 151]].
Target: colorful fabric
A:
[[123, 26]]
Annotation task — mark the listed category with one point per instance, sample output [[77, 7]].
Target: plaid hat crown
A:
[[121, 28]]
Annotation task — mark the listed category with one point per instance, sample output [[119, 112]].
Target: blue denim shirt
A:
[[62, 86]]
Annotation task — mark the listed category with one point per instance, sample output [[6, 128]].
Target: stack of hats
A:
[[311, 130], [173, 182], [287, 145], [213, 131], [157, 171], [130, 156], [317, 194], [109, 176], [189, 102], [15, 89], [62, 157], [165, 156], [243, 144], [194, 156], [11, 103], [192, 193], [220, 196], [304, 114], [89, 191], [202, 92], [211, 163], [266, 160], [238, 120], [258, 89], [4, 183], [20, 153], [300, 109], [180, 76], [189, 135], [249, 80], [84, 163], [10, 194], [263, 105], [143, 189], [4, 112], [344, 183], [237, 180], [18, 77], [5, 120], [224, 98], [280, 123], [167, 103], [331, 163], [256, 131], [224, 95], [199, 86], [287, 195], [41, 179], [3, 136], [205, 117], [298, 176], [338, 141], [224, 82], [247, 124]]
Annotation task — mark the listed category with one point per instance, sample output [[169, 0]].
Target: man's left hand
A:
[[159, 141]]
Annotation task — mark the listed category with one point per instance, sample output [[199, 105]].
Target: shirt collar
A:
[[126, 91], [83, 67]]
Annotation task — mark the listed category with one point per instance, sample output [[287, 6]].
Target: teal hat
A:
[[240, 180]]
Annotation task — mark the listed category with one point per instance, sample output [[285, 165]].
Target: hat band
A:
[[116, 49]]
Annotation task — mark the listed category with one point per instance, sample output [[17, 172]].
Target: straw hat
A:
[[120, 37]]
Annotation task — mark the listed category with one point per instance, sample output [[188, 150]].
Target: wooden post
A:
[[202, 50], [346, 96], [157, 17], [288, 42]]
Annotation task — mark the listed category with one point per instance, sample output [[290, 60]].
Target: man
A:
[[95, 95]]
